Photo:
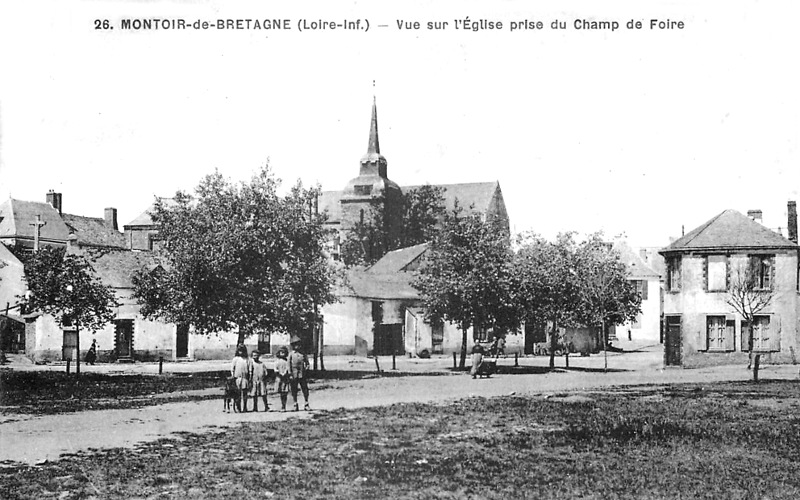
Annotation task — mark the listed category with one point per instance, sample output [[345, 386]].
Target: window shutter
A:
[[645, 286], [745, 334], [730, 333], [708, 335], [705, 274], [774, 342]]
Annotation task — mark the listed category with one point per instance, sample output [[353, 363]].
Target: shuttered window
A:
[[720, 333]]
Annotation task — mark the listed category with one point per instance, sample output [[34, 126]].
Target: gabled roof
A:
[[384, 286], [727, 231], [637, 267], [17, 216], [329, 200], [145, 219], [93, 231], [398, 260], [115, 268], [473, 197]]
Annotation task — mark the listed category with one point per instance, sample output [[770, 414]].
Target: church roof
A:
[[729, 230], [93, 231], [17, 216], [398, 260], [329, 201], [473, 197]]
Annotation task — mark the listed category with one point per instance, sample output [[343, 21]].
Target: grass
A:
[[733, 441]]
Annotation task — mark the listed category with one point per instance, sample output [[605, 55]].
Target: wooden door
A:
[[124, 338], [673, 341], [182, 341], [70, 345]]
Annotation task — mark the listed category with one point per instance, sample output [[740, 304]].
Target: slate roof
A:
[[729, 230], [472, 196], [637, 268], [398, 260], [329, 200], [92, 231], [384, 286], [17, 215], [115, 268]]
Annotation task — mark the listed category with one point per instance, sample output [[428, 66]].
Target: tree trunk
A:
[[240, 338], [553, 344], [77, 349], [755, 368], [463, 363]]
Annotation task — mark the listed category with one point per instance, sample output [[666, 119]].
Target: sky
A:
[[635, 131]]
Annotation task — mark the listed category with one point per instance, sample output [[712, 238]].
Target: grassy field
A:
[[714, 441]]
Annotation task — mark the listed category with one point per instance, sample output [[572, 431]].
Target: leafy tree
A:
[[749, 297], [239, 256], [65, 286], [369, 239], [466, 277], [607, 296], [548, 287]]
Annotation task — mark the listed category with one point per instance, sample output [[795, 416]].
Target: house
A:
[[700, 326], [647, 325], [12, 288]]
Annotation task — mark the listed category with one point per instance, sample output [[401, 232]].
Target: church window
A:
[[363, 190]]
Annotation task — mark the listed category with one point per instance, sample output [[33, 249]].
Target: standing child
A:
[[240, 370], [298, 366], [258, 378], [282, 375]]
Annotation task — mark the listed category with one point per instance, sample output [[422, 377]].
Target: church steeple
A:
[[373, 163]]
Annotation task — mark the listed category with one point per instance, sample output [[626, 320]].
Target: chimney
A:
[[54, 199], [792, 209], [110, 217], [756, 215]]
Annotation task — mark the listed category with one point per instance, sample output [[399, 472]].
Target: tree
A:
[[608, 297], [466, 277], [65, 286], [749, 295], [368, 240], [548, 285], [238, 256]]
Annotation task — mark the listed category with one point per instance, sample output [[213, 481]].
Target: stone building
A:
[[700, 326]]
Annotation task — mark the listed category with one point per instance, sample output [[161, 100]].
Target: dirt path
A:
[[32, 439]]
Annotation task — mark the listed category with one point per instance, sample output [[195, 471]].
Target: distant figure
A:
[[501, 346], [282, 375], [477, 359], [258, 379], [91, 356], [240, 370], [298, 366]]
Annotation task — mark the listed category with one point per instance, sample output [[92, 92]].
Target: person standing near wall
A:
[[298, 368]]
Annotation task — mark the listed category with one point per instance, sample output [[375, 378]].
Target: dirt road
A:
[[32, 439]]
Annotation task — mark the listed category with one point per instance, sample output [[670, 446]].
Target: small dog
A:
[[231, 395]]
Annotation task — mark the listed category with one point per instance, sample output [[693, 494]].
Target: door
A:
[[673, 341], [534, 334], [264, 343], [389, 339], [182, 341], [124, 337], [70, 345]]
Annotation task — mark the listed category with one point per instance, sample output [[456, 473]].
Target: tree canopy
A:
[[368, 240], [239, 256], [65, 286], [466, 277]]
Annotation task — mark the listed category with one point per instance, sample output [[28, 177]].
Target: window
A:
[[674, 274], [720, 333], [363, 190], [766, 334], [761, 269], [641, 288], [716, 273]]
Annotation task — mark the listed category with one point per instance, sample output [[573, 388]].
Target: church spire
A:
[[374, 146]]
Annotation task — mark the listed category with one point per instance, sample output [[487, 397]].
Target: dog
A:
[[231, 395]]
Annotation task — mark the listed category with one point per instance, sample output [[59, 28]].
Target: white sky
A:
[[631, 131]]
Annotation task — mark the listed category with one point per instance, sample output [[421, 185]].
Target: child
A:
[[258, 379], [298, 365], [240, 370], [282, 375]]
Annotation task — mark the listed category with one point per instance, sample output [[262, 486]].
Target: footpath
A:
[[34, 439]]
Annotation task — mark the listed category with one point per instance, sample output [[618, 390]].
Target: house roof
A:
[[729, 230], [17, 216], [145, 219], [93, 231], [637, 267], [398, 260], [383, 286], [116, 268]]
